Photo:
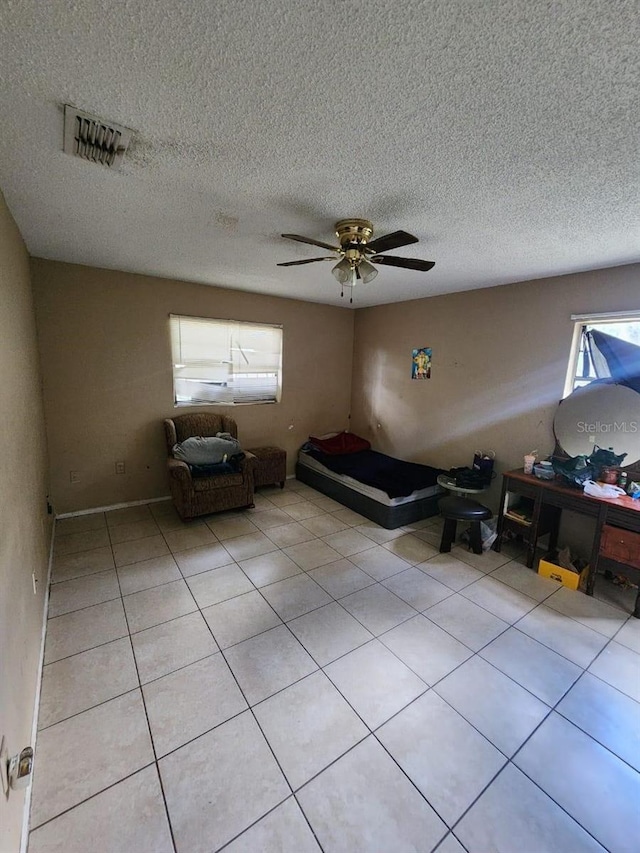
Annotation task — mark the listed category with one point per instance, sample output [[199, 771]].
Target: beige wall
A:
[[500, 358], [25, 524], [106, 360]]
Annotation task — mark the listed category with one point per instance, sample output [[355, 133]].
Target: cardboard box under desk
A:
[[572, 580]]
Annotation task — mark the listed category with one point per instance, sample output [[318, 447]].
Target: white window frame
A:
[[192, 403], [582, 320]]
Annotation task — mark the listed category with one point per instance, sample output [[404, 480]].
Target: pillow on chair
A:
[[207, 450]]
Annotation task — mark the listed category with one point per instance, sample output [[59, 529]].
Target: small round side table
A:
[[449, 482]]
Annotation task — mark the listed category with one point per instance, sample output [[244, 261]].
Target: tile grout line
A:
[[137, 688], [257, 722], [374, 582], [91, 797], [321, 668], [146, 714], [553, 710], [370, 731], [449, 826], [250, 709], [533, 781], [97, 645], [91, 707], [612, 686], [87, 606], [514, 625], [184, 666], [576, 726], [430, 687], [543, 603], [560, 655], [266, 814]]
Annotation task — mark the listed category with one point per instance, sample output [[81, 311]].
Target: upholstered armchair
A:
[[193, 496]]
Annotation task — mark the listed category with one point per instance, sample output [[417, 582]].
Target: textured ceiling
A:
[[503, 133]]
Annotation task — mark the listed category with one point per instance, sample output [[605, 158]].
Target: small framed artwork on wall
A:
[[421, 363]]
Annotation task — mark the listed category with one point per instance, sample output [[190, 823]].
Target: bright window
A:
[[587, 361], [225, 362]]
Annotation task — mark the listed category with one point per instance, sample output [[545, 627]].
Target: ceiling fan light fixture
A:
[[367, 271], [342, 271], [357, 252]]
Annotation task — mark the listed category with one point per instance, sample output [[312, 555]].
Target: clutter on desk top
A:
[[602, 490], [543, 470], [599, 474]]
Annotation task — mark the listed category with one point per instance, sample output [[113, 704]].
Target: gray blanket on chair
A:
[[207, 450]]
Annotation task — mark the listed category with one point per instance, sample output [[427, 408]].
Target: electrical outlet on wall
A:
[[74, 476], [120, 468]]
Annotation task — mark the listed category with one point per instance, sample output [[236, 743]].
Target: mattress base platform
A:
[[390, 517]]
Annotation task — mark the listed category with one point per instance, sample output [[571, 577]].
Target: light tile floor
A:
[[295, 678]]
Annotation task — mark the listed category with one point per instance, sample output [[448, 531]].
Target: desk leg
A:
[[555, 531], [595, 550], [497, 545], [533, 530]]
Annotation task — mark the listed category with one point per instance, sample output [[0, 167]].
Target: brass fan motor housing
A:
[[350, 231]]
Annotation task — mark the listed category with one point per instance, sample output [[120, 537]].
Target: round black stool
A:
[[455, 509]]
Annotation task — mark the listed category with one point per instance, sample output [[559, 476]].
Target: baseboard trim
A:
[[112, 506], [126, 504], [24, 841]]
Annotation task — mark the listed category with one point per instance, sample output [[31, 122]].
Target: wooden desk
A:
[[550, 497]]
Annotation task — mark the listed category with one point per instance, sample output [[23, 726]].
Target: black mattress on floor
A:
[[390, 517], [393, 476]]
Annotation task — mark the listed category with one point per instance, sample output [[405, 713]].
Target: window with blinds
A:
[[225, 361]]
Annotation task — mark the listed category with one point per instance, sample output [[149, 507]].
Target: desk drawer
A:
[[620, 545], [527, 490]]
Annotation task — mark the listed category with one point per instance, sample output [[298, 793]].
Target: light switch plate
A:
[[4, 767]]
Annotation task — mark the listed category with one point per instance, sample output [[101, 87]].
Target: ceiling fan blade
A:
[[391, 241], [405, 263], [305, 261], [311, 242]]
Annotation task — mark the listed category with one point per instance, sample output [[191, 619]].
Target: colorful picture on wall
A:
[[421, 363]]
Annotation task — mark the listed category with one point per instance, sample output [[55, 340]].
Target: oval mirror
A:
[[603, 414]]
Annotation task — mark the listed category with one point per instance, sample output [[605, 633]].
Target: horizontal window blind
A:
[[225, 361]]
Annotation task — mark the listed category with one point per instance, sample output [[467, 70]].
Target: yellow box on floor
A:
[[572, 580]]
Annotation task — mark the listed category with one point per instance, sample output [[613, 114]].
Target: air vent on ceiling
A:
[[91, 138]]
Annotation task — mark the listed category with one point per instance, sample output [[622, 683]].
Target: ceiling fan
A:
[[358, 253]]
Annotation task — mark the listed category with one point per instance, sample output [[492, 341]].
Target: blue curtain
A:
[[615, 359]]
